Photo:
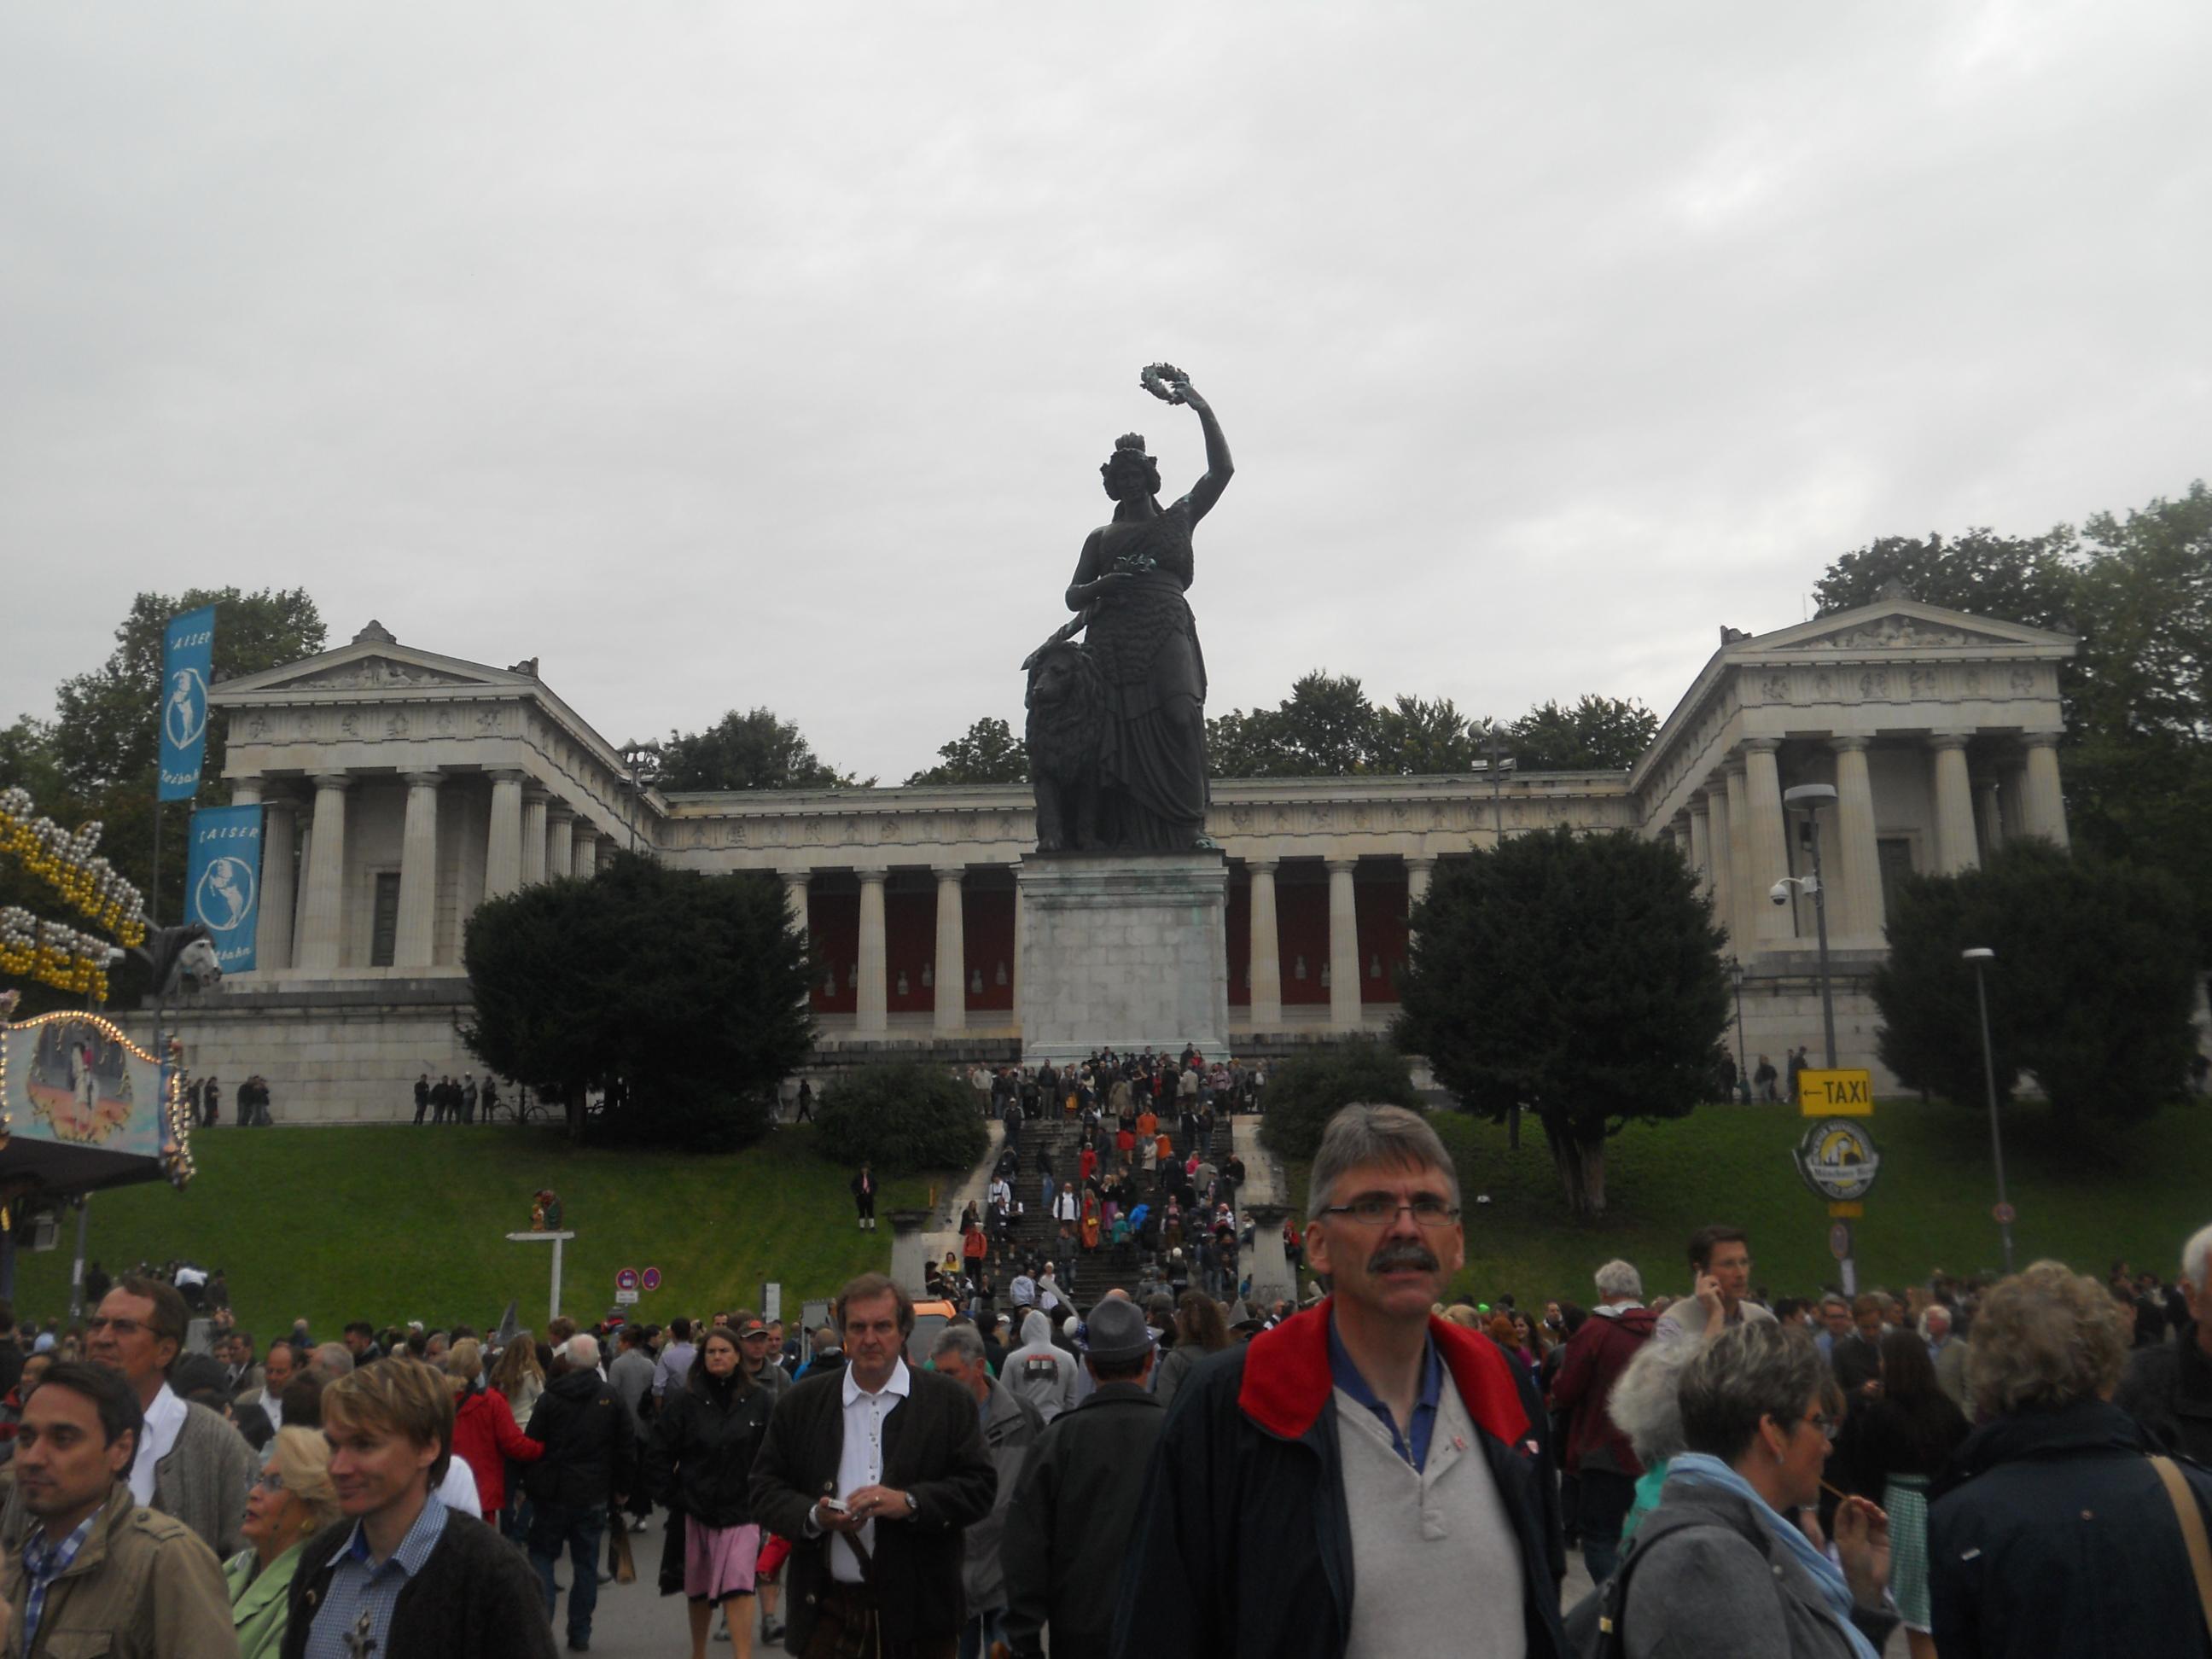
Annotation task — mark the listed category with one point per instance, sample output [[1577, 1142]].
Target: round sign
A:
[[2005, 1214], [650, 1280], [1839, 1240], [626, 1279], [1838, 1159]]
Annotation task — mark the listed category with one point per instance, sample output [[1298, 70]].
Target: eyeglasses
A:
[[1377, 1211], [120, 1326], [1827, 1425], [269, 1482]]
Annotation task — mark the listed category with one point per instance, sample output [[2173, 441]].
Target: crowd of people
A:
[[2002, 1467]]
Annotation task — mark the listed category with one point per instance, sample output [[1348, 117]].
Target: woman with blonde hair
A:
[[291, 1502]]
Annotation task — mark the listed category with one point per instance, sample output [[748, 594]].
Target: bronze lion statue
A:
[[1066, 737]]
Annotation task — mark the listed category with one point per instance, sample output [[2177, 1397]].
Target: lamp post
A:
[[1742, 1067], [643, 760], [1978, 956], [1497, 765], [1809, 797]]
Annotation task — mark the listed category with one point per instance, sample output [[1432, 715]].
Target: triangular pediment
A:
[[1901, 625], [383, 666]]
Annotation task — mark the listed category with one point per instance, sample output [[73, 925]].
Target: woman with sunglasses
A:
[[291, 1502], [1728, 1566]]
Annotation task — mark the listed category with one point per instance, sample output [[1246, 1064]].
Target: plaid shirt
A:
[[43, 1563]]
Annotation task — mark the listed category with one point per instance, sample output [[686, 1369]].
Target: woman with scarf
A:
[[699, 1463], [1726, 1566]]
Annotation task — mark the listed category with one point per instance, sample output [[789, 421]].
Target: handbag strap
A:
[[2192, 1529]]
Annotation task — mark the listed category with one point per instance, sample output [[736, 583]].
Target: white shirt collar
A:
[[898, 1385], [165, 1418]]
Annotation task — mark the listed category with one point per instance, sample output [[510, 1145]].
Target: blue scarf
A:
[[1697, 1469]]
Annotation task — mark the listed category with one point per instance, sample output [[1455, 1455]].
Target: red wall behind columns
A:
[[832, 921], [1380, 907], [1301, 927], [910, 944], [988, 936]]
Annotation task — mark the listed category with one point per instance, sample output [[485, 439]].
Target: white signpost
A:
[[558, 1239]]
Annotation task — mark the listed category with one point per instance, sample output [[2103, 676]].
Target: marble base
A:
[[1125, 951]]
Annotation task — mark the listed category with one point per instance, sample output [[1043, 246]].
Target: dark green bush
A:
[[900, 1117], [1303, 1094]]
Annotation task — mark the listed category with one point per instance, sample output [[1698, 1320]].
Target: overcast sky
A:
[[720, 355]]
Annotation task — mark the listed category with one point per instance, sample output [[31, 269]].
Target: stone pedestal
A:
[[909, 1249], [1127, 951], [1272, 1279]]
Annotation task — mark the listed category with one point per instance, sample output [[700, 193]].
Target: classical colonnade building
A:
[[401, 788]]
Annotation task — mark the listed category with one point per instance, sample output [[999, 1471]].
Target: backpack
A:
[[1594, 1625]]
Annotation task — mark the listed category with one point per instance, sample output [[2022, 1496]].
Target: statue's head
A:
[[1128, 471]]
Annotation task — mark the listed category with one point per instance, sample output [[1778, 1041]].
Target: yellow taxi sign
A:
[[1835, 1094]]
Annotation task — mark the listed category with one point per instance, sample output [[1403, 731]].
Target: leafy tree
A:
[[754, 751], [1414, 740], [900, 1117], [988, 752], [1577, 977], [1244, 745], [1597, 734], [1304, 1093], [682, 994], [2090, 992], [1325, 729], [2023, 579]]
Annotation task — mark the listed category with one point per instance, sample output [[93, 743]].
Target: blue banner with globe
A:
[[223, 881], [188, 662]]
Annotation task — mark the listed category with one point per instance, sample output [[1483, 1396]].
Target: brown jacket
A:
[[143, 1587]]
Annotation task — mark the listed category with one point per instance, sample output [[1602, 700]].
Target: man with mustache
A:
[[1357, 1477]]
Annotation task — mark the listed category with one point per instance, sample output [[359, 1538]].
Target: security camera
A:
[[1779, 892]]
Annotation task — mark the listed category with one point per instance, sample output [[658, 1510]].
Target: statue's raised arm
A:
[[1167, 382]]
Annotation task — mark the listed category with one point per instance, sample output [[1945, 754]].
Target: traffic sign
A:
[[650, 1279], [626, 1279], [1839, 1240], [2004, 1215], [625, 1299], [1835, 1094]]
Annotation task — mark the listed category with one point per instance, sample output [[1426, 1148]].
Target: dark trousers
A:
[[554, 1527], [1602, 1499], [845, 1628]]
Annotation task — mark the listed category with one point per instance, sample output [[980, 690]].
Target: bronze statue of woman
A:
[[1138, 630]]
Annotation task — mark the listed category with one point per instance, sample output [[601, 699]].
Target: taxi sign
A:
[[1835, 1094]]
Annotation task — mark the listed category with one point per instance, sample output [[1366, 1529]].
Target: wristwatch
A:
[[913, 1504]]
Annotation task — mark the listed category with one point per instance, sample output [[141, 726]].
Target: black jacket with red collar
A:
[[1243, 1543]]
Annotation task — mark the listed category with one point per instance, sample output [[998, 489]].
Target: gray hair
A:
[[1929, 1316], [1744, 1376], [1834, 1299], [1619, 1278], [330, 1361], [1359, 1135], [1646, 1402], [2197, 1258], [583, 1350], [2047, 1337], [962, 1339]]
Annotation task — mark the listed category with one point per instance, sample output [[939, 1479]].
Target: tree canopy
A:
[[900, 1117], [1304, 1093], [1329, 728], [681, 996], [753, 750], [986, 752], [2090, 992], [1575, 977]]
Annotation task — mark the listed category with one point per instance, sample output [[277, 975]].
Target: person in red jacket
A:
[[1598, 1455], [484, 1434]]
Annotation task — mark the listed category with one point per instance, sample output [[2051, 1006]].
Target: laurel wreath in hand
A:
[[1165, 381]]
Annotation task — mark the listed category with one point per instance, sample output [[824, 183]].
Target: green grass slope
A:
[[396, 1223], [2084, 1199]]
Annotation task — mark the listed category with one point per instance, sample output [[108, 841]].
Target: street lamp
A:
[[1809, 797], [1742, 1069], [643, 760], [1497, 765], [1978, 956]]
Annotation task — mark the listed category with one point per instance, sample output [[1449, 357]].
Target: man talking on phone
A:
[[1720, 1269], [873, 1472]]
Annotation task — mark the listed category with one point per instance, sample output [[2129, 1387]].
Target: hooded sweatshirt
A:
[[1040, 1371]]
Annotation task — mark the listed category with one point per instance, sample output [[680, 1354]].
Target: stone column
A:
[[871, 1014], [794, 899], [2044, 806], [1701, 842], [299, 905], [1343, 947], [951, 1005], [584, 854], [560, 839], [1716, 849], [1265, 956], [1419, 873], [280, 831], [413, 939], [1770, 847], [1743, 879], [1014, 968], [534, 802], [324, 928], [1858, 860], [503, 843], [1270, 1268], [1954, 806], [1989, 809]]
